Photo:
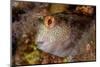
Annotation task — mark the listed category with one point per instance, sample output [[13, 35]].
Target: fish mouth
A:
[[40, 42], [56, 49]]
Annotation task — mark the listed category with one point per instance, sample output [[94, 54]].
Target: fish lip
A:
[[40, 42]]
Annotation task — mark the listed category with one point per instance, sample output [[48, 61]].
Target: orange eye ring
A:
[[49, 21]]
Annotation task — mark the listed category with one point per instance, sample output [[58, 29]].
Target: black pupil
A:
[[49, 21]]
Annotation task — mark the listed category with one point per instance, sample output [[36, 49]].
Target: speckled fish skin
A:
[[63, 39]]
